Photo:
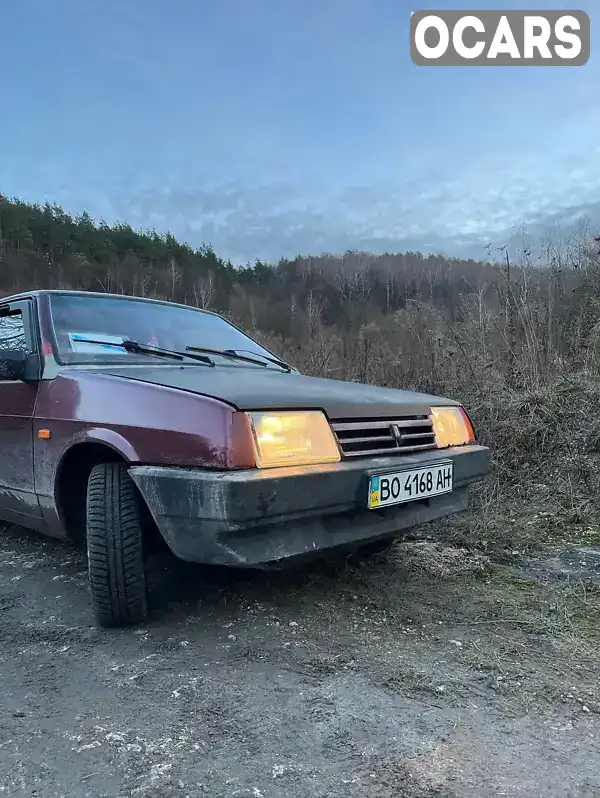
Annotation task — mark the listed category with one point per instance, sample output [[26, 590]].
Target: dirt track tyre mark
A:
[[116, 562]]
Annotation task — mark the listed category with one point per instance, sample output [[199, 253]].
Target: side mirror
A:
[[18, 365]]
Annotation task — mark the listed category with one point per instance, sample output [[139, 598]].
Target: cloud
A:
[[280, 129], [489, 200], [453, 192]]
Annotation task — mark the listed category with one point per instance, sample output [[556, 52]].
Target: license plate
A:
[[399, 487]]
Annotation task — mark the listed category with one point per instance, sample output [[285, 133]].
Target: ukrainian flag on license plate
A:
[[374, 492]]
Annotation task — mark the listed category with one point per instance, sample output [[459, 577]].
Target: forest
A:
[[515, 336]]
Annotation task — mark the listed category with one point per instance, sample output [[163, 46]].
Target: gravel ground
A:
[[425, 672]]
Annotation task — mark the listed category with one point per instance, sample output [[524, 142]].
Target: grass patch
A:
[[565, 610], [509, 528], [543, 488]]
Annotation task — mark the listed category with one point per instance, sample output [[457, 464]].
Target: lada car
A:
[[127, 422]]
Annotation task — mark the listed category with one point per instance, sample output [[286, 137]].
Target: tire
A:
[[116, 561]]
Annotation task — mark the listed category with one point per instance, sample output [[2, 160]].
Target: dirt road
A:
[[423, 673]]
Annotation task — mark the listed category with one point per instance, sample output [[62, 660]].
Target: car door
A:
[[18, 500]]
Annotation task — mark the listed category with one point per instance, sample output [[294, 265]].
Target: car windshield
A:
[[79, 321]]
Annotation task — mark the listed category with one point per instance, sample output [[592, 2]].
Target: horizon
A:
[[271, 132], [578, 231]]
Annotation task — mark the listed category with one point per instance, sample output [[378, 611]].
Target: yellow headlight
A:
[[292, 438], [452, 427]]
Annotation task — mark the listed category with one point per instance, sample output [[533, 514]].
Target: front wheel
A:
[[116, 562]]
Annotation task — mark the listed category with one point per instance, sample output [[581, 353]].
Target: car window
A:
[[111, 320], [12, 333]]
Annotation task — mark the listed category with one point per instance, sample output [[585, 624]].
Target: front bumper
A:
[[257, 518]]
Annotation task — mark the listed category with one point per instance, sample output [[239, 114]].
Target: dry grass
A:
[[437, 560], [544, 485]]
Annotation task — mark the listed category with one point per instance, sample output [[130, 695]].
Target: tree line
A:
[[422, 321]]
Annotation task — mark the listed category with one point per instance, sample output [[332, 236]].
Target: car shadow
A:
[[176, 587]]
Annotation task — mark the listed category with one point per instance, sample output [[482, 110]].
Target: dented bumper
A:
[[255, 518]]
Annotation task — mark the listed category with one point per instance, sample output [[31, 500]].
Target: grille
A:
[[370, 437]]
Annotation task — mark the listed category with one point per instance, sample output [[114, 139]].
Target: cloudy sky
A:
[[274, 127]]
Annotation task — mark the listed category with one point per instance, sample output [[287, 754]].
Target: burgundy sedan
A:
[[127, 422]]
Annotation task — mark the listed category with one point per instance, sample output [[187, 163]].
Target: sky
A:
[[272, 128]]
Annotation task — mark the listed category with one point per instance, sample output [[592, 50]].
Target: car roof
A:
[[58, 291]]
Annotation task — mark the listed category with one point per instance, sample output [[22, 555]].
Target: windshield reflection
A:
[[102, 321]]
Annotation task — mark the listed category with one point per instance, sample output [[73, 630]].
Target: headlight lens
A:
[[452, 427], [292, 438]]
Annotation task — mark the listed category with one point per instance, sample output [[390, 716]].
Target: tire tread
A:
[[116, 563]]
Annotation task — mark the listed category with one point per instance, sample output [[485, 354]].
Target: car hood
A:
[[269, 389]]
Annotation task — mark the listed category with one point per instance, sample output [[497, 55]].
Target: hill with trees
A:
[[407, 318], [516, 337]]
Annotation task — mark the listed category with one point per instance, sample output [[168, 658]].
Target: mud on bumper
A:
[[263, 518]]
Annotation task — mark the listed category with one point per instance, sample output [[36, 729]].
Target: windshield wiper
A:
[[234, 353], [141, 349], [275, 360]]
